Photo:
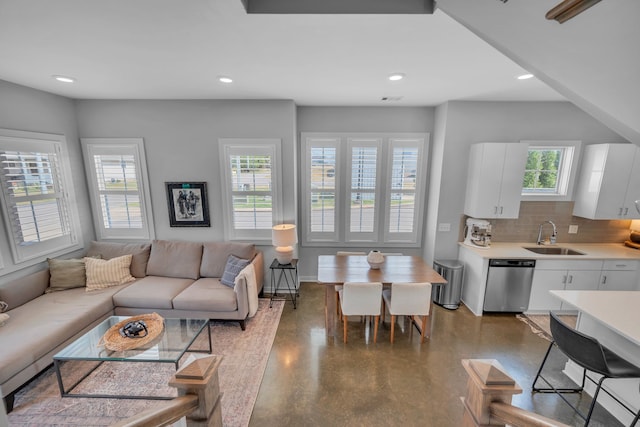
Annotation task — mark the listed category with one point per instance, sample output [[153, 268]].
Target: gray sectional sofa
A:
[[172, 278]]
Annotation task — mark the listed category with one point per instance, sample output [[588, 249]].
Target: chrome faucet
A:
[[552, 238]]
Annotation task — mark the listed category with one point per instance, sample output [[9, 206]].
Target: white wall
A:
[[27, 109], [591, 59], [471, 122]]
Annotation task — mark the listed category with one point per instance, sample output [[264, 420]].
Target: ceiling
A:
[[170, 49]]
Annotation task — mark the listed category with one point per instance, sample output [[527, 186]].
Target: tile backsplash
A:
[[532, 214]]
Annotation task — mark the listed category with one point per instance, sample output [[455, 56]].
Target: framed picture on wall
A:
[[188, 206]]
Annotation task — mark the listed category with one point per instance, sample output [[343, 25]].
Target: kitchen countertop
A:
[[514, 250]]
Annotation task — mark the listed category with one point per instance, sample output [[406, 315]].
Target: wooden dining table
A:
[[336, 270]]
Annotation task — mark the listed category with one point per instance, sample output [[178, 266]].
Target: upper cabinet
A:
[[494, 180], [609, 183]]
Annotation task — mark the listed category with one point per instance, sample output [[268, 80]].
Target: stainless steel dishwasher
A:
[[509, 285]]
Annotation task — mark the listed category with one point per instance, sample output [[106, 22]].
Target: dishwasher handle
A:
[[524, 263]]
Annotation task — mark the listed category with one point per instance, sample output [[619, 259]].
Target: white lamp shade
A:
[[284, 235]]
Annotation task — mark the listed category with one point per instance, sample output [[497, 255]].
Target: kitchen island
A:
[[612, 317]]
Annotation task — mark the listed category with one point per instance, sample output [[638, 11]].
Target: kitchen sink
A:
[[553, 250]]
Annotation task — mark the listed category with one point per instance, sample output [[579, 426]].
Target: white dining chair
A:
[[339, 287], [361, 299], [409, 299]]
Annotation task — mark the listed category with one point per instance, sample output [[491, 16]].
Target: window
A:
[[118, 184], [363, 188], [252, 200], [548, 171], [37, 195]]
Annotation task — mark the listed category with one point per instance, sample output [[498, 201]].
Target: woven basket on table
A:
[[116, 342]]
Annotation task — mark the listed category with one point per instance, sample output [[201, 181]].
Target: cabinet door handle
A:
[[495, 209], [564, 279], [620, 212], [626, 211], [604, 280], [501, 209], [570, 278]]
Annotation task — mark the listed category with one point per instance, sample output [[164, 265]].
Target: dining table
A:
[[335, 270]]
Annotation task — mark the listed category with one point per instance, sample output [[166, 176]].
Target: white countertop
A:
[[590, 250], [616, 309]]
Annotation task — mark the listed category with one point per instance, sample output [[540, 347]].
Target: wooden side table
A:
[[290, 274]]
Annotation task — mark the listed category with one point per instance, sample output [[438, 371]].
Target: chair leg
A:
[[393, 327], [593, 402], [383, 310], [544, 360], [375, 329], [424, 328], [344, 322]]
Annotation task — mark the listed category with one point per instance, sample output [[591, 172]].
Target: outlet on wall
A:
[[444, 226], [573, 229]]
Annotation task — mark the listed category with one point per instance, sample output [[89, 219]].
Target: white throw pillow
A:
[[103, 273]]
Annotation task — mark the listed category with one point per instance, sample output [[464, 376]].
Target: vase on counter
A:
[[375, 259]]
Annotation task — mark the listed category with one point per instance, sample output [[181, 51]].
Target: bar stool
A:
[[589, 354]]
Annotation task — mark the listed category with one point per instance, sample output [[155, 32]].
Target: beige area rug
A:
[[245, 355], [539, 323]]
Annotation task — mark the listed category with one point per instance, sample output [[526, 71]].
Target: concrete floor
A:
[[312, 380]]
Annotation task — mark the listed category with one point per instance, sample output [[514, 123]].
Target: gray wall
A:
[[26, 109], [358, 119], [470, 122], [181, 144]]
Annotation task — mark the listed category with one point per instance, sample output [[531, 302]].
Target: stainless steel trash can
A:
[[448, 295]]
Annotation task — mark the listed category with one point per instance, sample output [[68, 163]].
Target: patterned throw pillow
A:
[[102, 273], [3, 306], [231, 270]]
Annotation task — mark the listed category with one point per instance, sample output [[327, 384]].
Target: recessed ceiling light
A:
[[396, 76], [225, 79], [64, 79], [525, 76]]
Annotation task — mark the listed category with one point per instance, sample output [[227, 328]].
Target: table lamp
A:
[[284, 236]]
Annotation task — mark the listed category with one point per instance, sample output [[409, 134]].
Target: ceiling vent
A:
[[391, 98]]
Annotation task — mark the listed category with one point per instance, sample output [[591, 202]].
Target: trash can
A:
[[448, 295]]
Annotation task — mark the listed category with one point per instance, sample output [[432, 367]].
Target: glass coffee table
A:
[[176, 339]]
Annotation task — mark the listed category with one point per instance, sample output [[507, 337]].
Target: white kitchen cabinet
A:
[[609, 182], [619, 275], [494, 180], [560, 275]]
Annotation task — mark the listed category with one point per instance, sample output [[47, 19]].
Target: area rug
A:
[[245, 355], [539, 323]]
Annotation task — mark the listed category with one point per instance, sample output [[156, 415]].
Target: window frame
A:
[[33, 142], [567, 170], [119, 146], [249, 146], [381, 237]]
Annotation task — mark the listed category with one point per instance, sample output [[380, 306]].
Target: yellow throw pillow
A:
[[103, 273]]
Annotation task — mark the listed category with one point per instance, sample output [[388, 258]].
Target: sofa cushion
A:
[[215, 254], [151, 292], [102, 273], [207, 294], [175, 259], [140, 252], [232, 269], [66, 274], [50, 320], [24, 289]]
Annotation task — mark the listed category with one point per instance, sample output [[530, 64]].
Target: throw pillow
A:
[[232, 269], [4, 318], [102, 273], [65, 274], [3, 306]]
